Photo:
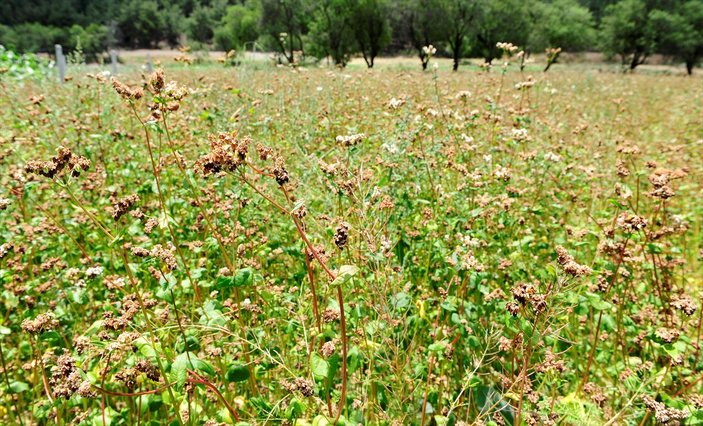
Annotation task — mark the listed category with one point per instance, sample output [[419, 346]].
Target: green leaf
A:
[[438, 346], [295, 409], [597, 303], [179, 370], [319, 367], [52, 337], [185, 361], [449, 304], [204, 366], [346, 272], [237, 373], [144, 347], [243, 277], [400, 300], [18, 387]]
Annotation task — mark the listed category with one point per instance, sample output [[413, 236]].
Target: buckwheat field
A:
[[386, 247]]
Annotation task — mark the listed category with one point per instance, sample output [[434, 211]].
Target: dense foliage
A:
[[631, 30], [294, 246]]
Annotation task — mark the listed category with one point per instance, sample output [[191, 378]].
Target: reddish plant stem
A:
[[312, 288], [205, 382], [131, 394], [332, 276], [523, 374], [157, 177], [600, 317], [343, 325]]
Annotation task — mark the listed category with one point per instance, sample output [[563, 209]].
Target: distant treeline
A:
[[628, 30]]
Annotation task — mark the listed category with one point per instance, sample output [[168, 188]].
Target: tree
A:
[[140, 23], [680, 33], [172, 24], [238, 27], [200, 25], [690, 47], [597, 7], [561, 25], [501, 21], [331, 30], [33, 37], [284, 22], [625, 31], [424, 18], [92, 39], [369, 22], [461, 15]]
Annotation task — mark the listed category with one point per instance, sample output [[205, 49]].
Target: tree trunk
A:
[[372, 56], [457, 53], [366, 59], [689, 67], [291, 58], [635, 61], [421, 55]]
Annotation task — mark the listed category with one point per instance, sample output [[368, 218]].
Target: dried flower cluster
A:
[[40, 324], [63, 160], [569, 265], [127, 93], [227, 152]]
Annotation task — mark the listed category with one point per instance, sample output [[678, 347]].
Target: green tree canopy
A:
[[371, 28], [562, 23], [239, 26], [503, 21]]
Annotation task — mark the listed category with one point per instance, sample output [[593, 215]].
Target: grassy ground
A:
[[263, 245]]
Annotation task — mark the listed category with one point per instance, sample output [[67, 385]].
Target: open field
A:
[[593, 61], [279, 246]]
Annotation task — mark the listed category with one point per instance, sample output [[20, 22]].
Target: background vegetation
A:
[[628, 30]]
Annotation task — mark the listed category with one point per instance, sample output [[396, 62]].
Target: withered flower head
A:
[[567, 262], [684, 303], [668, 335], [127, 93], [40, 324], [63, 159], [66, 379], [662, 413], [341, 235], [280, 172], [227, 152], [122, 206], [156, 81], [350, 140], [630, 222], [522, 292], [513, 308]]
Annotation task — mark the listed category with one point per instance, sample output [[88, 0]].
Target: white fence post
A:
[[113, 58], [60, 62], [149, 65]]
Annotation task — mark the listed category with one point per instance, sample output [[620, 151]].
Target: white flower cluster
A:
[[507, 47]]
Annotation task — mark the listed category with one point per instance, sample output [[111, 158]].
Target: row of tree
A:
[[630, 30]]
